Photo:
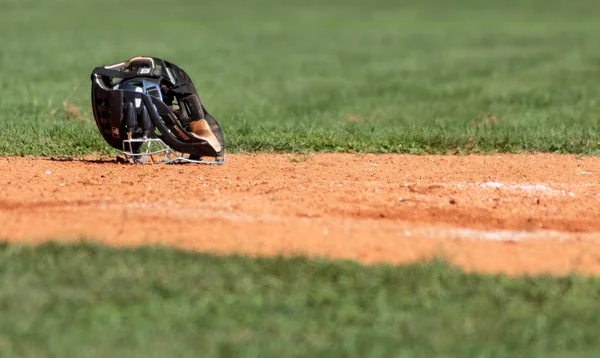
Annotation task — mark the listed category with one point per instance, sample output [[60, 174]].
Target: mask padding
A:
[[192, 106], [145, 122]]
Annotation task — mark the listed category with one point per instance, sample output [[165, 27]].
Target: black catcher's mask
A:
[[147, 103]]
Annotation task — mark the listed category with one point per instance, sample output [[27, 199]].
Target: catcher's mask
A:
[[149, 109]]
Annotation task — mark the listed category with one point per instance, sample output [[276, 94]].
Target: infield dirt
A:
[[514, 214]]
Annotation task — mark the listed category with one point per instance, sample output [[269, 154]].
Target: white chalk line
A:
[[500, 235]]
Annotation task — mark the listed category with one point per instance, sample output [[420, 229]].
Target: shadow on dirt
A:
[[115, 160]]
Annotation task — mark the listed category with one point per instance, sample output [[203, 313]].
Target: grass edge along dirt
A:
[[65, 139], [97, 301]]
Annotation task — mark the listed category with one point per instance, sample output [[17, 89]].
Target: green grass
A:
[[336, 75], [92, 301]]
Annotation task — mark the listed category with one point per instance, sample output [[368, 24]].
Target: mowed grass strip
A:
[[87, 300], [433, 76]]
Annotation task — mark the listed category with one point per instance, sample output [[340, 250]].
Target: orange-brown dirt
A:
[[517, 214]]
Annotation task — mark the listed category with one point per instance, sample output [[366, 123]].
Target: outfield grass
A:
[[337, 75], [92, 301]]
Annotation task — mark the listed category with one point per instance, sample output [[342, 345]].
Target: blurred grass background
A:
[[93, 301], [434, 76]]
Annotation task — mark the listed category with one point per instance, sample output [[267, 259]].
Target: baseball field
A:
[[403, 179]]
